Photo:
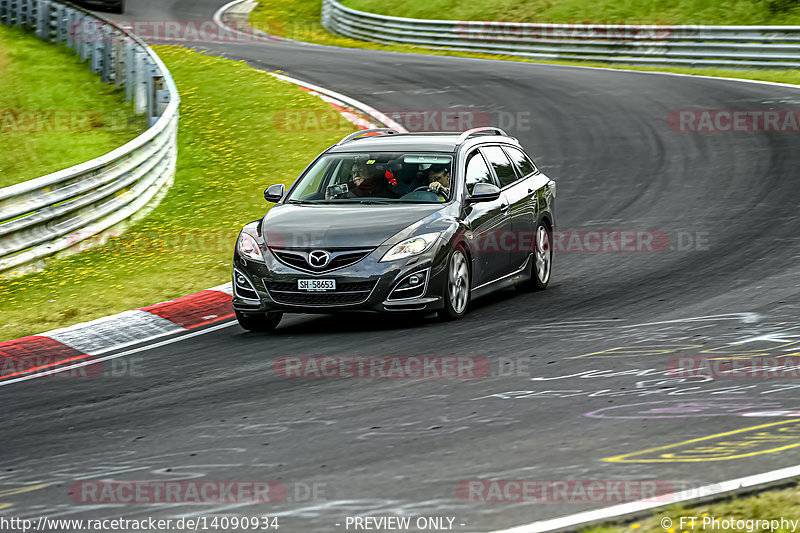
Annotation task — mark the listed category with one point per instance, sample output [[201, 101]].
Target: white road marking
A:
[[579, 519]]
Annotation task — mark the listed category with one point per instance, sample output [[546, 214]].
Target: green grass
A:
[[753, 12], [232, 144], [92, 117], [766, 506]]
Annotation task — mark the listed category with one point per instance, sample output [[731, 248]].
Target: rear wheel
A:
[[456, 297], [542, 258], [259, 321]]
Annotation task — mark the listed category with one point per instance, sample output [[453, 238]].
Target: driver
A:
[[439, 179], [364, 183]]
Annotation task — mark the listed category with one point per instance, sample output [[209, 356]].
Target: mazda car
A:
[[398, 223]]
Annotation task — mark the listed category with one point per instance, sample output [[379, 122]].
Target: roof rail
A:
[[477, 131], [367, 133]]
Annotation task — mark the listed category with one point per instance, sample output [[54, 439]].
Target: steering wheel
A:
[[440, 194]]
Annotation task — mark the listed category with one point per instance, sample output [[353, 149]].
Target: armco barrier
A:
[[55, 212], [738, 47]]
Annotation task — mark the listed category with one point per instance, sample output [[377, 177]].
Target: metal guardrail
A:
[[738, 47], [56, 212]]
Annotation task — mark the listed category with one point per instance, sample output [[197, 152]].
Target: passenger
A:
[[439, 179], [364, 183]]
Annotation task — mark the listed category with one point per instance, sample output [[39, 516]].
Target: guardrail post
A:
[[106, 55], [130, 70], [150, 72], [119, 71], [140, 88], [96, 64], [84, 42], [14, 9], [162, 96], [43, 20], [66, 26]]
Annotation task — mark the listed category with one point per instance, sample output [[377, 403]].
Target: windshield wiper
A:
[[304, 202], [366, 202]]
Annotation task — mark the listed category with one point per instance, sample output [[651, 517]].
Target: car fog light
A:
[[414, 280]]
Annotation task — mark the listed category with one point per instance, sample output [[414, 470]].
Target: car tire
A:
[[457, 287], [542, 258], [259, 321]]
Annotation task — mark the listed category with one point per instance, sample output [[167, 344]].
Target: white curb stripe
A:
[[113, 331], [581, 519], [374, 113]]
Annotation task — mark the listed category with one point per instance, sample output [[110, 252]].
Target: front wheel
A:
[[542, 259], [259, 321], [456, 297]]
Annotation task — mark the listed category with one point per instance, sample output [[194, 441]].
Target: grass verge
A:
[[230, 146], [757, 509], [747, 12], [54, 112]]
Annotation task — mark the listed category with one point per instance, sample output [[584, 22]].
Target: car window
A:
[[477, 171], [312, 184], [501, 164], [369, 178], [525, 166]]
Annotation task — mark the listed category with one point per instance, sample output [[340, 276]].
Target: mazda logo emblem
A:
[[318, 258]]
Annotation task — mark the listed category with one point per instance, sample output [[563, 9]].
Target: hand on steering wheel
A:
[[438, 192]]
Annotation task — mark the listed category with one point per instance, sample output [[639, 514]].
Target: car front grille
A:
[[297, 258], [346, 293]]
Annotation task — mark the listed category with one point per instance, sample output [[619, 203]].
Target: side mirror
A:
[[484, 192], [274, 193]]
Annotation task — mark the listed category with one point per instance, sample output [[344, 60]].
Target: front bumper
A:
[[367, 285]]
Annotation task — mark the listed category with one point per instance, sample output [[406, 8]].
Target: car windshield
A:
[[375, 178]]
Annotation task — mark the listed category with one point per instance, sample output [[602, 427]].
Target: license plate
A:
[[316, 284]]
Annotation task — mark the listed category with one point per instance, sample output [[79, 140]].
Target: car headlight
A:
[[248, 247], [409, 247]]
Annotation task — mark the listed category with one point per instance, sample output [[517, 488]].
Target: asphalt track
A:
[[210, 406]]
